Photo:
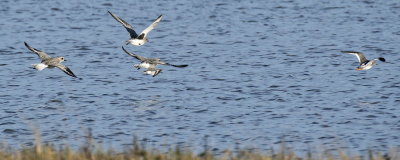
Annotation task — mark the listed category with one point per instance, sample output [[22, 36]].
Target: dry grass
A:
[[91, 151]]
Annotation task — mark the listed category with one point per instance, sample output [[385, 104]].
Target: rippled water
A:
[[259, 72]]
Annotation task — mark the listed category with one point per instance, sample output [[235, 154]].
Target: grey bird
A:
[[150, 63], [48, 62], [365, 64], [137, 39]]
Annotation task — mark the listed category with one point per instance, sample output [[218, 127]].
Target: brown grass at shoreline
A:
[[136, 152], [91, 151]]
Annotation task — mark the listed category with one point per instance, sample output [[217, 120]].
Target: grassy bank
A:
[[91, 151]]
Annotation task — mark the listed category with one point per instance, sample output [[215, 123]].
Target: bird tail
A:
[[39, 66]]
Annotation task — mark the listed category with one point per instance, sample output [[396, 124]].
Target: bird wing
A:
[[127, 26], [140, 58], [158, 71], [144, 33], [179, 66], [43, 56], [158, 61], [360, 56], [65, 69]]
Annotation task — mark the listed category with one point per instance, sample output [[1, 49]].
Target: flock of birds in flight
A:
[[150, 63], [136, 39]]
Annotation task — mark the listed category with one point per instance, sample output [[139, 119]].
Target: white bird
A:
[[48, 62], [365, 64], [150, 63], [136, 39]]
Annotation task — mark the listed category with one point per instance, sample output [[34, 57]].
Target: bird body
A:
[[152, 71], [144, 65], [39, 66], [136, 42]]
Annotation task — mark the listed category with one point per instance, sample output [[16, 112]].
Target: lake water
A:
[[259, 73]]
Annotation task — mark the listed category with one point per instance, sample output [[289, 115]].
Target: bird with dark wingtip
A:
[[137, 39], [150, 63], [365, 64], [48, 62]]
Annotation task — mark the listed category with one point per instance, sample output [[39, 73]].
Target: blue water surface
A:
[[260, 72]]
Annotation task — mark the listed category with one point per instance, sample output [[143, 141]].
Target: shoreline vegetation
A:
[[92, 151]]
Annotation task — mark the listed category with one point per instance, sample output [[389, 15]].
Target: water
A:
[[259, 73]]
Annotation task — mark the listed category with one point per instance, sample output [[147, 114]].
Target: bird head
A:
[[62, 59]]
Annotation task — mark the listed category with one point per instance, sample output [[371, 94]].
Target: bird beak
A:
[[127, 42]]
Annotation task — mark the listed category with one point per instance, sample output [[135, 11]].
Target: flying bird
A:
[[48, 62], [137, 39], [150, 63], [365, 64]]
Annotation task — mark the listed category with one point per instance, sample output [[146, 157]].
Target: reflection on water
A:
[[146, 105], [259, 73]]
